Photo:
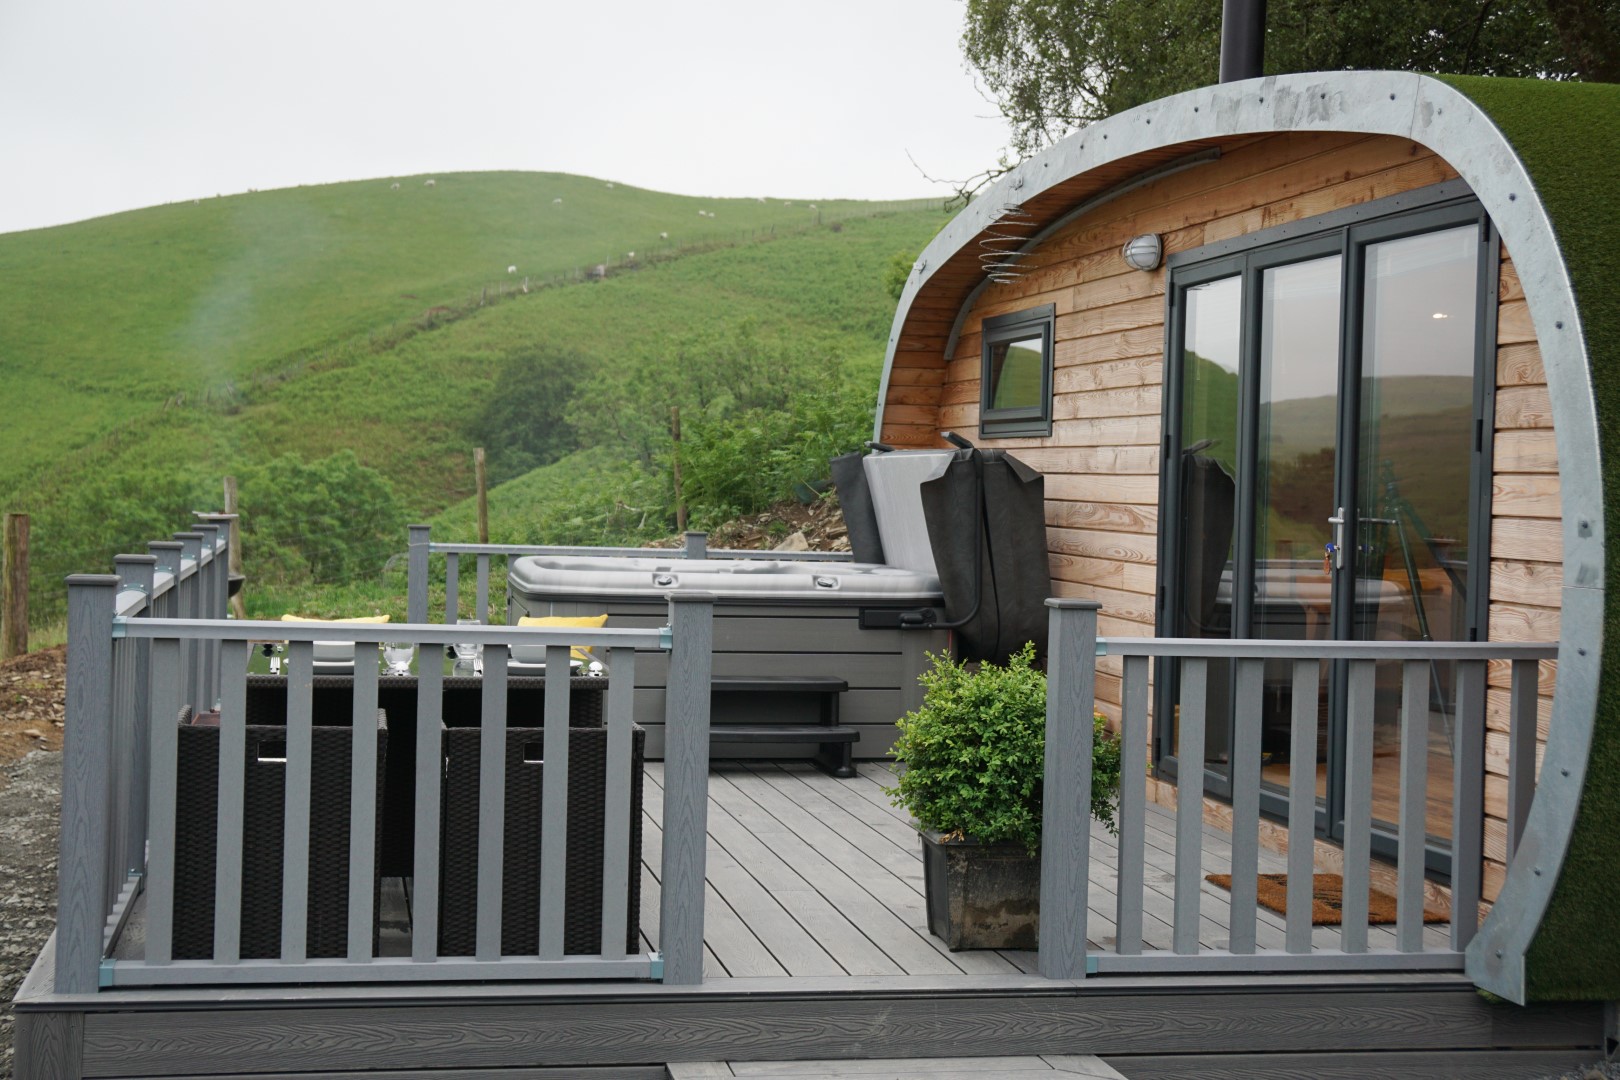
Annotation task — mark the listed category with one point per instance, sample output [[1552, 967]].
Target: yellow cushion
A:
[[588, 622], [357, 618]]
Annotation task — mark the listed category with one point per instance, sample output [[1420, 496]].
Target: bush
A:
[[330, 521], [975, 753]]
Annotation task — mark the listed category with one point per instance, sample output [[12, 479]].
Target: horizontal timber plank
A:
[[1508, 285], [1500, 673], [1517, 581], [1098, 544], [1523, 407], [1527, 539], [1106, 374], [916, 376], [1092, 460], [1116, 517], [1526, 495], [1513, 324], [1106, 573], [1119, 401], [1520, 365], [1129, 315], [1422, 172], [1146, 340], [1139, 489]]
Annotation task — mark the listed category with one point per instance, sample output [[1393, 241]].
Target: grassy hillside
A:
[[104, 320], [127, 456]]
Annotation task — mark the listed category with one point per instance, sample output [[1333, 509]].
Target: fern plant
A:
[[975, 753]]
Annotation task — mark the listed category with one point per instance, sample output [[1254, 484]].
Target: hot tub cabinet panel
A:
[[758, 631]]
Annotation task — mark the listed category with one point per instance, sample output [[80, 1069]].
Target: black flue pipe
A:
[[1243, 39]]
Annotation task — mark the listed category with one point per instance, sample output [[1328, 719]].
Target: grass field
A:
[[147, 354]]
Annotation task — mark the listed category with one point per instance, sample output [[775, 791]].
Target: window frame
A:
[[1022, 420]]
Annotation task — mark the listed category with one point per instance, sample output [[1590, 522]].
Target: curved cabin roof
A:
[[1543, 158]]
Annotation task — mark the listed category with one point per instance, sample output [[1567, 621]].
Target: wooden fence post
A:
[[14, 616], [239, 601], [675, 461], [482, 476], [1066, 805]]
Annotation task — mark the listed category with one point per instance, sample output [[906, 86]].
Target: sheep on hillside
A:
[[511, 269], [429, 183], [556, 201], [663, 236], [394, 186]]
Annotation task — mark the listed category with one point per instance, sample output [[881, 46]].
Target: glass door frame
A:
[[1349, 233]]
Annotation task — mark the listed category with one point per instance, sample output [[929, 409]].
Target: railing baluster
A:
[[1190, 805], [481, 612], [362, 803], [491, 804], [1132, 806], [229, 811], [616, 868], [1358, 805], [295, 809], [416, 573], [429, 766], [1414, 805], [1302, 750], [452, 588], [1066, 805], [554, 806], [167, 691], [143, 571], [191, 600], [1468, 802], [1522, 735], [1245, 767], [686, 787]]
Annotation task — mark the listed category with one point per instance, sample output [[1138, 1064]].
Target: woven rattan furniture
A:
[[264, 783], [463, 700], [520, 879]]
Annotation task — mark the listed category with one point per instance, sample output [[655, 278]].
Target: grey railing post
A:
[[191, 601], [167, 554], [1066, 807], [416, 574], [137, 572], [697, 545], [686, 787], [213, 607], [87, 764]]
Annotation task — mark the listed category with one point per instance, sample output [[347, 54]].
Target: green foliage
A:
[[1053, 68], [897, 273], [325, 522], [975, 753], [523, 423]]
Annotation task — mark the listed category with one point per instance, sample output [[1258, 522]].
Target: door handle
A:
[[1336, 549]]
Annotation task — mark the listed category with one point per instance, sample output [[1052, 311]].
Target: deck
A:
[[813, 876]]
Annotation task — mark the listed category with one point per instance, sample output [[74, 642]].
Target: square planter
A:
[[981, 896]]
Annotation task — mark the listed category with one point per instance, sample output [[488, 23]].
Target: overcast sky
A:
[[108, 105]]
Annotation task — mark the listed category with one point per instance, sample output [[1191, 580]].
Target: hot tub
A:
[[772, 617]]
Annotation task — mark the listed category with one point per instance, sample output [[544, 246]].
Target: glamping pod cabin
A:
[[1333, 357]]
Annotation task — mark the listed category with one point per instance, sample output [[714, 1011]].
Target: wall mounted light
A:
[[1143, 252]]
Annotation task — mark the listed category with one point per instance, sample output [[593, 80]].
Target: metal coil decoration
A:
[[1003, 259]]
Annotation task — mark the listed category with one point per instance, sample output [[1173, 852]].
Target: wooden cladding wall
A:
[[1102, 459], [1527, 569]]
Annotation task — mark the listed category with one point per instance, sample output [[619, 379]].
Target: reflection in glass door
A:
[[1415, 433], [1296, 455], [1325, 473]]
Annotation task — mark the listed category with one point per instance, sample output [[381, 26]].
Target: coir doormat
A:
[[1327, 898]]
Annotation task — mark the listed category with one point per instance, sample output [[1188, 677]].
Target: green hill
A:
[[149, 353]]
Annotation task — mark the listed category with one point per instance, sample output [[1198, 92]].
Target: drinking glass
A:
[[468, 651], [397, 656]]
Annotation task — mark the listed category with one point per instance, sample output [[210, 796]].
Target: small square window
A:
[[1016, 376]]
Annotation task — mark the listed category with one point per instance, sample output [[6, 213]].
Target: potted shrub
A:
[[974, 757]]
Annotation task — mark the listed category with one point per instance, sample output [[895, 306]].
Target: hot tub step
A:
[[833, 740]]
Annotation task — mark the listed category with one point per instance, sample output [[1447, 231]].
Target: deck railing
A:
[[423, 548], [146, 643], [1066, 843]]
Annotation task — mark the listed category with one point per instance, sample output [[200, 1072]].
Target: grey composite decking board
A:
[[48, 1044], [1424, 1065], [560, 1072], [887, 1068], [453, 1033], [895, 940]]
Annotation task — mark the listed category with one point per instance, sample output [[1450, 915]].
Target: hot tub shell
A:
[[771, 617]]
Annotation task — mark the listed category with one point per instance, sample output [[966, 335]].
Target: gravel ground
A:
[[30, 798]]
